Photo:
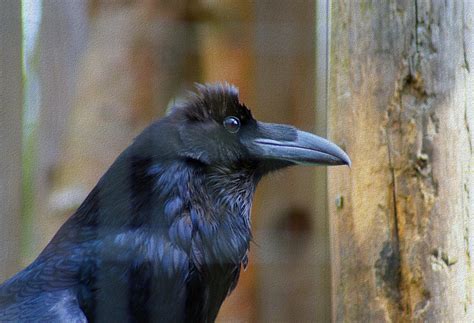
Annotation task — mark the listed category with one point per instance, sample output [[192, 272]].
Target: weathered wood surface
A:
[[401, 101], [10, 136]]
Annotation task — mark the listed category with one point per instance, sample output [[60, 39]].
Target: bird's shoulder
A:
[[56, 306]]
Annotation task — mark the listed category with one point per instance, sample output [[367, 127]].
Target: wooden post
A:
[[10, 136], [401, 101], [323, 299]]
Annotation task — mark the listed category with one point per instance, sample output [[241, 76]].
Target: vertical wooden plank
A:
[[401, 102], [62, 38], [323, 301], [10, 135]]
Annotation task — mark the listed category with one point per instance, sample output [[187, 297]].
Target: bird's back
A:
[[57, 306], [40, 293]]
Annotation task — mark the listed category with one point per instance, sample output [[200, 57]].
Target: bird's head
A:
[[209, 141], [214, 128]]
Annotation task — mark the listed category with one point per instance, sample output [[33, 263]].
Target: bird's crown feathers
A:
[[214, 101]]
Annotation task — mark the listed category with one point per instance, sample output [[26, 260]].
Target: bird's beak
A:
[[285, 143]]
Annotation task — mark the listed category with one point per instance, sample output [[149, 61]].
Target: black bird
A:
[[163, 235]]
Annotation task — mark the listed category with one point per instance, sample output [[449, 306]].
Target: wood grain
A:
[[401, 103]]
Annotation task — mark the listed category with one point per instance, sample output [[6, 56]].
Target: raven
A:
[[164, 234]]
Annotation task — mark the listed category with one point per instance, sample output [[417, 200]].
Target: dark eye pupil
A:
[[232, 124]]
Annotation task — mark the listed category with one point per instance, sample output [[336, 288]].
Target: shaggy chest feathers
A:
[[182, 243]]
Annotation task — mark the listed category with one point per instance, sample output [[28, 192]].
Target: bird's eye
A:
[[232, 124]]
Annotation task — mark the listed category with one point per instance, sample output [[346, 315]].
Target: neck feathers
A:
[[203, 210]]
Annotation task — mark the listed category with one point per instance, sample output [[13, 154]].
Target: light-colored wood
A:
[[63, 34], [323, 300], [10, 136], [401, 101]]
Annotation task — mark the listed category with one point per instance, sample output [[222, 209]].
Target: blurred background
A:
[[96, 72], [391, 82]]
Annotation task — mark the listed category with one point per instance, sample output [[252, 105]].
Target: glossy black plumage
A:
[[164, 234]]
